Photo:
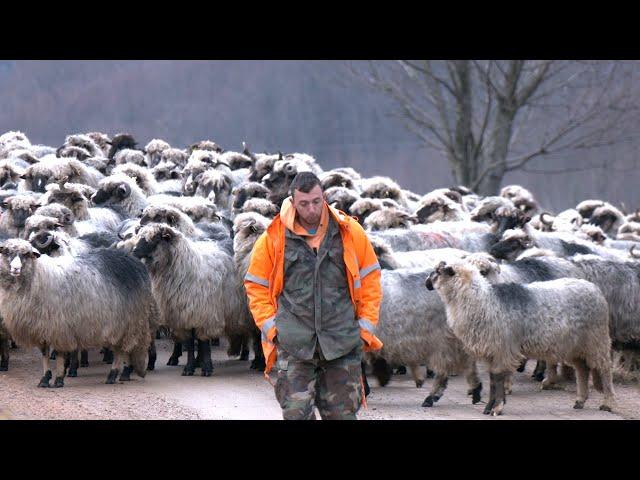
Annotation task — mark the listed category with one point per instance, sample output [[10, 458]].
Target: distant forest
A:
[[316, 107]]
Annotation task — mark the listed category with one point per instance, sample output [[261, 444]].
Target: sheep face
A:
[[513, 243], [37, 177], [383, 190], [605, 218], [163, 214], [61, 213], [486, 265], [16, 262], [120, 142], [262, 206], [341, 198], [435, 210], [508, 218], [46, 242], [40, 223], [166, 171], [246, 191], [153, 245], [262, 167], [279, 180], [19, 208], [336, 179], [9, 176], [111, 193], [215, 185], [247, 227], [448, 278], [73, 199]]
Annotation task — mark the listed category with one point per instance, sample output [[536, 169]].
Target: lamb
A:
[[190, 283], [17, 209], [102, 297], [559, 320]]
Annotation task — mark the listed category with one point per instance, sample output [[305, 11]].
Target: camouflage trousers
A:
[[333, 386]]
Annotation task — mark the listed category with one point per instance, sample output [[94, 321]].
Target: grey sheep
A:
[[102, 297], [558, 320]]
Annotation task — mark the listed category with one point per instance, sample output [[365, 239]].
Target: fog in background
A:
[[316, 107]]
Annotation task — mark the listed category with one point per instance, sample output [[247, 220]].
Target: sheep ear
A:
[[449, 271], [34, 253]]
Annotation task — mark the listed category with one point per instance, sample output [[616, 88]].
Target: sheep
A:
[[51, 169], [128, 155], [262, 165], [542, 221], [36, 223], [5, 344], [247, 227], [262, 206], [62, 214], [521, 198], [154, 151], [102, 297], [190, 284], [413, 329], [586, 207], [216, 186], [17, 209], [119, 142], [391, 260], [388, 218], [568, 220], [629, 230], [245, 191], [558, 320], [169, 178], [122, 194], [10, 175], [206, 145], [236, 160], [179, 220], [86, 143], [174, 155], [593, 233], [102, 140], [75, 197], [383, 188], [440, 206], [143, 177], [514, 241], [337, 179], [283, 173], [607, 217], [341, 198]]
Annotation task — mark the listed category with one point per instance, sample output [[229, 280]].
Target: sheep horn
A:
[[631, 252], [547, 223], [45, 244]]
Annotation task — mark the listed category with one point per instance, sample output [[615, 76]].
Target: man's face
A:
[[309, 205]]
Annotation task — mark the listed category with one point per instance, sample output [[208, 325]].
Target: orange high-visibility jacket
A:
[[264, 280]]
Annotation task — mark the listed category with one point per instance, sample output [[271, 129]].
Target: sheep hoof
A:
[[53, 355], [475, 394], [125, 376], [538, 377], [551, 386], [520, 369], [489, 407], [419, 383], [111, 378], [428, 402], [72, 373], [579, 405], [4, 366], [173, 361], [206, 372], [151, 367], [188, 371], [44, 382], [402, 370], [605, 408], [58, 382]]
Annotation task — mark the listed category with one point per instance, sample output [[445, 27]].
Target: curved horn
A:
[[547, 223], [633, 254], [46, 243]]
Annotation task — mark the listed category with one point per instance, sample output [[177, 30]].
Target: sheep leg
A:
[[73, 363], [437, 390], [108, 355], [508, 383], [244, 352], [382, 371], [196, 350], [582, 382], [13, 345], [522, 366], [204, 352], [475, 385], [235, 345], [46, 368], [190, 367], [84, 358], [4, 354], [367, 389], [177, 353], [151, 364], [567, 373], [60, 370], [606, 379], [258, 362], [215, 342], [115, 368], [500, 397], [492, 394], [538, 372], [550, 381], [417, 374], [401, 370], [53, 355]]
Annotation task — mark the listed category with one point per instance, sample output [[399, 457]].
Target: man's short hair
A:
[[305, 182]]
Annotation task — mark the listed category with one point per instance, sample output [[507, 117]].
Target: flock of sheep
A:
[[106, 245]]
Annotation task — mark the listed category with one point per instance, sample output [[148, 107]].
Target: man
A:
[[314, 291]]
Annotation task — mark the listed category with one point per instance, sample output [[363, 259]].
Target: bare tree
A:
[[488, 118]]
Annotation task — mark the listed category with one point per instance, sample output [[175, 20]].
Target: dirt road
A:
[[235, 392]]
